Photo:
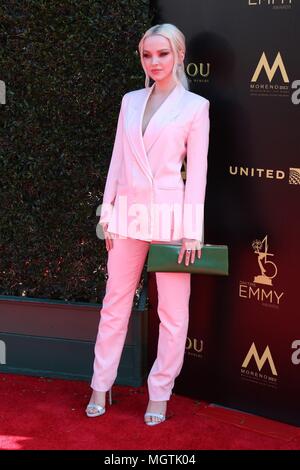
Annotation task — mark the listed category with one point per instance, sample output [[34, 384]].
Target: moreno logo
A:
[[260, 361], [270, 71]]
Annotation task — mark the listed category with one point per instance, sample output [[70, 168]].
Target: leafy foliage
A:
[[66, 65]]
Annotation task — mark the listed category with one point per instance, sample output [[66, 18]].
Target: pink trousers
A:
[[125, 264]]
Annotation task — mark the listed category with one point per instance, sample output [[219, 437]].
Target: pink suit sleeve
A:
[[110, 189], [196, 173]]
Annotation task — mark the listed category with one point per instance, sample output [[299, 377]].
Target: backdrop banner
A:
[[243, 346]]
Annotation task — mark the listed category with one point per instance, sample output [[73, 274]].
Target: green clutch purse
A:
[[163, 258]]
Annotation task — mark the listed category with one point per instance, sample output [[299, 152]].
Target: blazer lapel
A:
[[167, 111]]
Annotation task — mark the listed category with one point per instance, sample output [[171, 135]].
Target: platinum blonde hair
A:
[[177, 43]]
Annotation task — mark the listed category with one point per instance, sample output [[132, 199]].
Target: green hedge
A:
[[66, 65]]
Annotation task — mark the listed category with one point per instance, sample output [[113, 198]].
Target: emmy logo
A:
[[261, 249]]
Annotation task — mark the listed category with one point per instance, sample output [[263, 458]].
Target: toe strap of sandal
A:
[[94, 405], [155, 415]]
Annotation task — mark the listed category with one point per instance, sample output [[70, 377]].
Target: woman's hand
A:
[[188, 249], [108, 237]]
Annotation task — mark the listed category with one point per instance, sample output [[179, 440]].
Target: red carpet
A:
[[40, 413]]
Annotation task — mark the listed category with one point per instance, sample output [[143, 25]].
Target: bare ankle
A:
[[157, 406], [98, 397]]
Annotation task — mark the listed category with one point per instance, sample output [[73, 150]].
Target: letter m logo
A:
[[260, 361], [263, 63]]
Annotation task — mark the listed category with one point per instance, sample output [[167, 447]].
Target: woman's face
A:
[[158, 57]]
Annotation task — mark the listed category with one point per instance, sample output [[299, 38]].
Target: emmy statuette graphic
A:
[[267, 274]]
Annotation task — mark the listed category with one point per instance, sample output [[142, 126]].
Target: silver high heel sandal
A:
[[161, 417], [152, 414], [100, 410]]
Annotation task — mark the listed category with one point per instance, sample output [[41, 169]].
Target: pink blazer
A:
[[145, 196]]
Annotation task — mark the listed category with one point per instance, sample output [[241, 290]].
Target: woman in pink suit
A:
[[146, 201]]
